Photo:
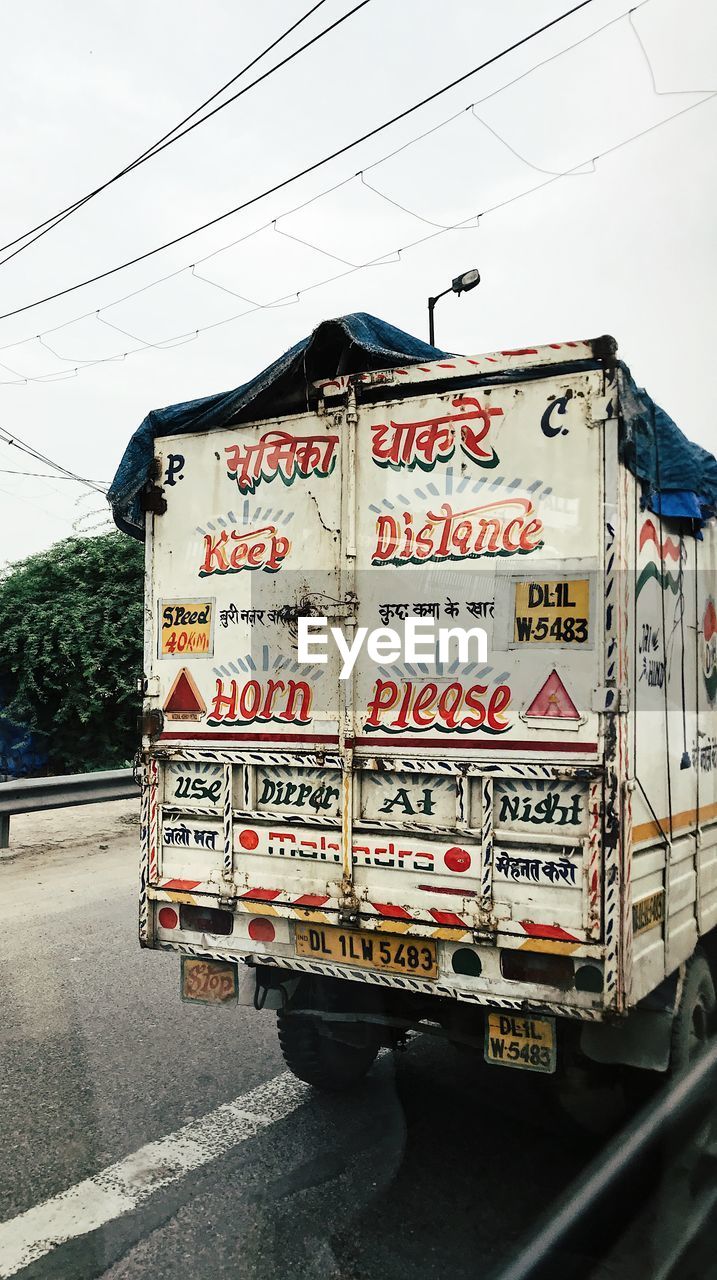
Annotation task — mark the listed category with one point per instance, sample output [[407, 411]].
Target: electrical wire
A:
[[326, 192], [49, 224], [302, 173], [12, 439], [42, 475], [469, 222], [661, 93]]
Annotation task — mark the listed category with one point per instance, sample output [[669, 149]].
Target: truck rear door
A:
[[424, 792], [249, 755], [478, 789]]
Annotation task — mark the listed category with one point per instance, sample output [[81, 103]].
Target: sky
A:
[[622, 244]]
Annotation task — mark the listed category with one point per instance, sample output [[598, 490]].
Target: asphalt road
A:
[[436, 1166]]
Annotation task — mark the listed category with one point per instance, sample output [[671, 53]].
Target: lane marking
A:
[[123, 1186]]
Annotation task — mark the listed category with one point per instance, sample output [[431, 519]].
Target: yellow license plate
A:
[[520, 1041], [368, 950], [209, 981]]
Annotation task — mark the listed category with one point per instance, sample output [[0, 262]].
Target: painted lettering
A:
[[423, 444], [231, 551], [277, 453], [511, 529], [451, 708], [253, 701]]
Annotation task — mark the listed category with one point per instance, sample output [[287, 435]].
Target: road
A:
[[436, 1166]]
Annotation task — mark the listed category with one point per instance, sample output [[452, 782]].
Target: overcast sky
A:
[[628, 248]]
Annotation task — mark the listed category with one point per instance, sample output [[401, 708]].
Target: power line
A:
[[661, 93], [12, 439], [42, 475], [304, 204], [302, 173], [385, 259], [471, 220], [49, 224], [583, 168]]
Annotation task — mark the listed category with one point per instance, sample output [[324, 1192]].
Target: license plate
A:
[[209, 981], [527, 1042], [368, 950]]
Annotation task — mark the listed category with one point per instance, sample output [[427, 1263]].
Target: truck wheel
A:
[[321, 1061], [693, 1022]]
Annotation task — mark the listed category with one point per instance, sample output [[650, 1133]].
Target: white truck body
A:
[[550, 811]]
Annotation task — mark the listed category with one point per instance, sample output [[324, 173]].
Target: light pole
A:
[[462, 284]]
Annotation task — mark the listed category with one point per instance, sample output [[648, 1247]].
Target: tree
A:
[[71, 626]]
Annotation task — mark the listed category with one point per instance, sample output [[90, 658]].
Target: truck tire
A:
[[327, 1064], [693, 1022]]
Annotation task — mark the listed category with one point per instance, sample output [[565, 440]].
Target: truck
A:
[[429, 738]]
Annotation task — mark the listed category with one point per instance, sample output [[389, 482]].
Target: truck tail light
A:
[[537, 966], [167, 918], [206, 919]]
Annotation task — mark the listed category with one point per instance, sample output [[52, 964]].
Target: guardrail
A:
[[29, 795], [664, 1160]]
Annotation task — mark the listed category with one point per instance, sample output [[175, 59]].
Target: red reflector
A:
[[262, 930], [248, 839], [168, 918], [552, 701], [457, 859]]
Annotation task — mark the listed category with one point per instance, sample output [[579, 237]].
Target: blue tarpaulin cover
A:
[[679, 479]]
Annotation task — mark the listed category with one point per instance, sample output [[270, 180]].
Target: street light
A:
[[462, 284]]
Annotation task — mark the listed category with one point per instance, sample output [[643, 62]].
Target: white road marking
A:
[[121, 1187]]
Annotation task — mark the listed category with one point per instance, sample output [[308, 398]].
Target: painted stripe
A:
[[460, 892], [669, 550], [548, 947], [448, 918], [247, 737], [389, 909], [495, 744], [666, 579], [120, 1188], [553, 931], [645, 830], [184, 886]]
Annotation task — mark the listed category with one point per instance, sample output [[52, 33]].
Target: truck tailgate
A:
[[443, 791]]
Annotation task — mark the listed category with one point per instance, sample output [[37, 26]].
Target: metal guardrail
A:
[[670, 1139], [29, 795]]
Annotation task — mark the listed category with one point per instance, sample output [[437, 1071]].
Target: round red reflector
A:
[[248, 839], [262, 930], [168, 918], [457, 859]]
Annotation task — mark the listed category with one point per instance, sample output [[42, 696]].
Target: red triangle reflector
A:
[[184, 701], [552, 701]]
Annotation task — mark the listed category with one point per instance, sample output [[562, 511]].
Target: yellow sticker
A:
[[552, 612], [648, 912], [186, 628]]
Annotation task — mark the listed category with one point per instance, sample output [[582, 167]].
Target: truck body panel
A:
[[555, 799]]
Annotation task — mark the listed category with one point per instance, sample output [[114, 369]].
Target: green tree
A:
[[71, 649]]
